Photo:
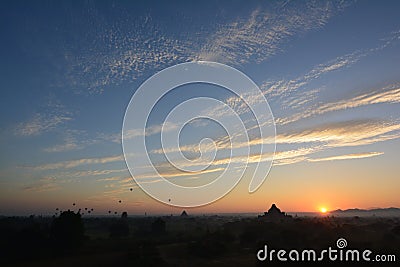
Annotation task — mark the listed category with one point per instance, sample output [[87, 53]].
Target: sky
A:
[[328, 69]]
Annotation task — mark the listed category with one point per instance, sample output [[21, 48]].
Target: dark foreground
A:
[[70, 240]]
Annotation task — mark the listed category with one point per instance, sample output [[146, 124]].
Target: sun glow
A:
[[323, 210]]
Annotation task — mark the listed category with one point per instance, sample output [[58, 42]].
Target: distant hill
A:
[[382, 212]]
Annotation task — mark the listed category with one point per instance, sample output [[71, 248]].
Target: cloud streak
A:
[[349, 133], [389, 95], [45, 184], [282, 89], [74, 163], [347, 156], [343, 134]]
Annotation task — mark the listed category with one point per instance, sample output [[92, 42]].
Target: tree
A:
[[67, 231]]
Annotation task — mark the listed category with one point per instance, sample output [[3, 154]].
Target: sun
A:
[[323, 210]]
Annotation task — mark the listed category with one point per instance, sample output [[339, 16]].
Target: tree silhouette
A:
[[67, 231], [120, 228]]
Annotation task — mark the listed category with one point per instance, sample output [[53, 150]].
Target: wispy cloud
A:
[[347, 156], [99, 172], [69, 145], [43, 185], [313, 140], [173, 172], [134, 133], [115, 178], [72, 140], [41, 123], [349, 133], [259, 36], [280, 158], [151, 130], [295, 93], [389, 94], [74, 163], [50, 117], [118, 54], [146, 46], [284, 88]]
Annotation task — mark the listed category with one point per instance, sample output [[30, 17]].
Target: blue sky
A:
[[329, 70]]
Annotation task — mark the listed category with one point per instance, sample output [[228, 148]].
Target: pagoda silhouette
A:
[[184, 214], [274, 214]]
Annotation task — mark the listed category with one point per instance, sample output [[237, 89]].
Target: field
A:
[[187, 241]]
